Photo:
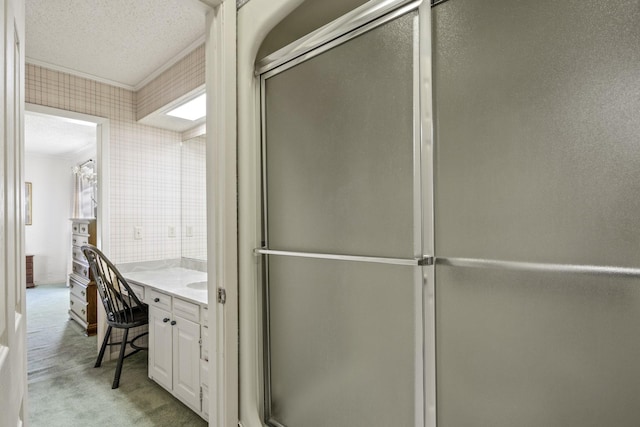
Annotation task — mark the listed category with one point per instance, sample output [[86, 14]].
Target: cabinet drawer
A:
[[80, 269], [78, 306], [158, 299], [79, 240], [205, 316], [186, 310]]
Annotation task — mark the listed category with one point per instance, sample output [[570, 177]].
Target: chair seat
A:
[[140, 317]]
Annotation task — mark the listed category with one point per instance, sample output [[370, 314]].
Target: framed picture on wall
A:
[[27, 203]]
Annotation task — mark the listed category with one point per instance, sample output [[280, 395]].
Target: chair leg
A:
[[105, 341], [123, 347]]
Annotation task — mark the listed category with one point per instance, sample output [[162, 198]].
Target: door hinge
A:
[[222, 296], [200, 395]]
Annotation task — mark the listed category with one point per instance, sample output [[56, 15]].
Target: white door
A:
[[13, 378]]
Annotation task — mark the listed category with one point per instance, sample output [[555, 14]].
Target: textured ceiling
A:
[[122, 41], [56, 136]]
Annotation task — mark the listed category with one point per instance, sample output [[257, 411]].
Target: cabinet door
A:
[[186, 361], [160, 343]]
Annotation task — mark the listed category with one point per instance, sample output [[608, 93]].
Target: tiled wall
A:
[[183, 77], [194, 198], [144, 163]]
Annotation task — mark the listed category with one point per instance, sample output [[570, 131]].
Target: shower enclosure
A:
[[537, 208], [346, 227], [451, 208]]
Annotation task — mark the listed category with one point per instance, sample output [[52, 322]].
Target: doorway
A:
[[62, 149]]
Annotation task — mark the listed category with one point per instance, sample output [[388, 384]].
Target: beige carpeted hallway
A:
[[65, 389]]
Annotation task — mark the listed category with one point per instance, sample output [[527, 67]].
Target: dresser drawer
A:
[[78, 289], [80, 228], [158, 299], [78, 255], [79, 240], [186, 310], [78, 306], [80, 269]]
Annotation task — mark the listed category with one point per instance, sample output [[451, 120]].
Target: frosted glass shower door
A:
[[343, 275], [537, 207]]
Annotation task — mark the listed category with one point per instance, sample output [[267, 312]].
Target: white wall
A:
[[49, 236]]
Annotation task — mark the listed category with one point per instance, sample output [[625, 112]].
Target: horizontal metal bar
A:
[[355, 22], [378, 260], [540, 267]]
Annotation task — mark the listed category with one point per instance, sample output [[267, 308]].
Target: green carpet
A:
[[65, 389]]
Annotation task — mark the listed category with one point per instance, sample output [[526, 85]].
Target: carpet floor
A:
[[65, 389]]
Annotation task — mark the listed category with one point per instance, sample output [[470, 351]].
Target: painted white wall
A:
[[49, 236]]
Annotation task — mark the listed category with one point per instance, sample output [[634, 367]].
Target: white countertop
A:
[[173, 281]]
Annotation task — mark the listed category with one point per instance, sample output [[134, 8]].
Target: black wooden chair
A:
[[123, 308]]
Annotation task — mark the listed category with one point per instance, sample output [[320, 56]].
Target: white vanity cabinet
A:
[[175, 347]]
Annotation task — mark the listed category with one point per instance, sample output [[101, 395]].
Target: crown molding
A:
[[77, 73], [170, 63], [173, 61]]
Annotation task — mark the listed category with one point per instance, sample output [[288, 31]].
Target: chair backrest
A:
[[120, 302]]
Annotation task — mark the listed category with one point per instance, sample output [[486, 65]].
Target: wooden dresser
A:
[[29, 270], [82, 295]]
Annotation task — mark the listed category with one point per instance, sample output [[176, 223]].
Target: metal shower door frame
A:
[[368, 17]]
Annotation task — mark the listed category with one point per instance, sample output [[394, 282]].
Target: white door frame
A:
[[103, 168], [222, 215], [13, 360]]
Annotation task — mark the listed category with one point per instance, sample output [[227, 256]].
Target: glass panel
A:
[[339, 131], [537, 130], [343, 340], [521, 348]]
